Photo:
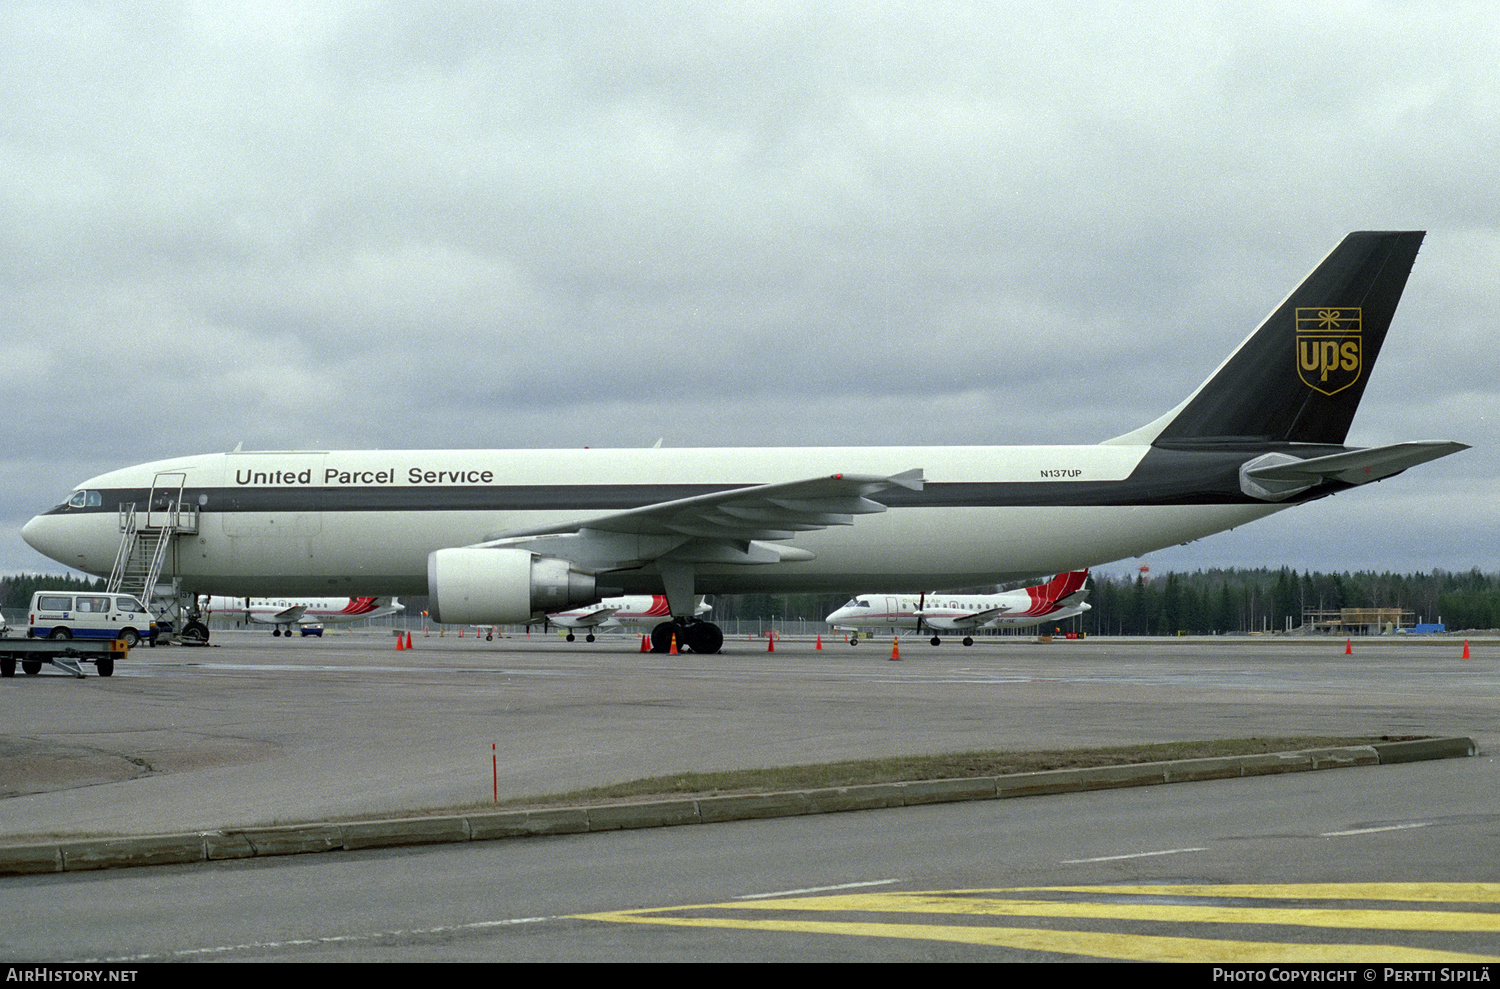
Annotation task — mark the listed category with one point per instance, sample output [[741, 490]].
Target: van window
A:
[[93, 604], [128, 604], [54, 603]]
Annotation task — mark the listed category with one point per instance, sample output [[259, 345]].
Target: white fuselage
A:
[[948, 611], [299, 611], [628, 611], [365, 521]]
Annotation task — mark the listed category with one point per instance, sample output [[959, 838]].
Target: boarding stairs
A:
[[147, 534]]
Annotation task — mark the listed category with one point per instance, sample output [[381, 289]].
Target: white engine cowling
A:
[[479, 586]]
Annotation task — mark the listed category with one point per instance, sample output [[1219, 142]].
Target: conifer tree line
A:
[[16, 590], [1226, 601], [1212, 601]]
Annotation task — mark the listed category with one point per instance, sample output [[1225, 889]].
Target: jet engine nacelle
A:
[[470, 585]]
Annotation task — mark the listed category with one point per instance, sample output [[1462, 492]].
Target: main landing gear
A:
[[968, 640], [587, 638], [701, 637]]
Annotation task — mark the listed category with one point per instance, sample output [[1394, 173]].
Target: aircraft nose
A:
[[44, 535], [32, 533]]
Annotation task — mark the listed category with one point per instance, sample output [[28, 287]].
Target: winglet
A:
[[912, 480]]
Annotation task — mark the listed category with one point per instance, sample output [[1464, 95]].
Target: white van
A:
[[89, 615]]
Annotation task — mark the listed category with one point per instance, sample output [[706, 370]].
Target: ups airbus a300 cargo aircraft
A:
[[503, 537]]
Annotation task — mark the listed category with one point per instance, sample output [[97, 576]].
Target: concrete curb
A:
[[109, 853]]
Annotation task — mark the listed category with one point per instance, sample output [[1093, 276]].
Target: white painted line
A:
[[1388, 827], [329, 939], [1137, 855], [817, 889]]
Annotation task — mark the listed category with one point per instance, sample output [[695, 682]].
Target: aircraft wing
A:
[[732, 526], [971, 620], [286, 617], [590, 619]]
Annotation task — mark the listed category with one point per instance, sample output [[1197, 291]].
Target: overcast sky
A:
[[354, 225]]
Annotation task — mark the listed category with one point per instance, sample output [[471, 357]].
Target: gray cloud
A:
[[448, 224]]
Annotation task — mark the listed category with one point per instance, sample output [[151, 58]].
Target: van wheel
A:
[[132, 639], [105, 667], [31, 666], [59, 633]]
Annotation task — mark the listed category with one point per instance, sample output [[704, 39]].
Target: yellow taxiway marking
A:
[[1135, 904]]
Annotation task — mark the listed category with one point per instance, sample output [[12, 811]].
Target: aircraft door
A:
[[892, 610], [165, 499]]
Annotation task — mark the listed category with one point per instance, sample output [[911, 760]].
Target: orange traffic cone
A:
[[820, 643], [408, 640], [400, 642], [673, 651], [1348, 647], [1466, 649], [771, 641], [895, 649], [644, 647]]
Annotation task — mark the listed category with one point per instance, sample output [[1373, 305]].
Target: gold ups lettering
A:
[[1328, 347]]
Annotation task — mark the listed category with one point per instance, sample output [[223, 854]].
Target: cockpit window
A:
[[857, 603], [85, 499]]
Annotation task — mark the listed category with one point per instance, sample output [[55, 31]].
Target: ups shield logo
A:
[[1328, 348]]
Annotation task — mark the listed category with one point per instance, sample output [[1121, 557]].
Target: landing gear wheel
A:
[[935, 641], [589, 637], [661, 636], [570, 637], [705, 638], [968, 640], [195, 634]]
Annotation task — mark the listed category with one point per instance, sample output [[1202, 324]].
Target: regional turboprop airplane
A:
[[505, 537], [283, 613], [1059, 598], [630, 611]]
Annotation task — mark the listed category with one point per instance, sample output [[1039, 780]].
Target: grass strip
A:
[[955, 765]]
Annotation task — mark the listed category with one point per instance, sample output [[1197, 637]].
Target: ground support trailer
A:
[[65, 654]]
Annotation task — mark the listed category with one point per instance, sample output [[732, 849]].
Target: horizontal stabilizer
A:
[[1276, 476]]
